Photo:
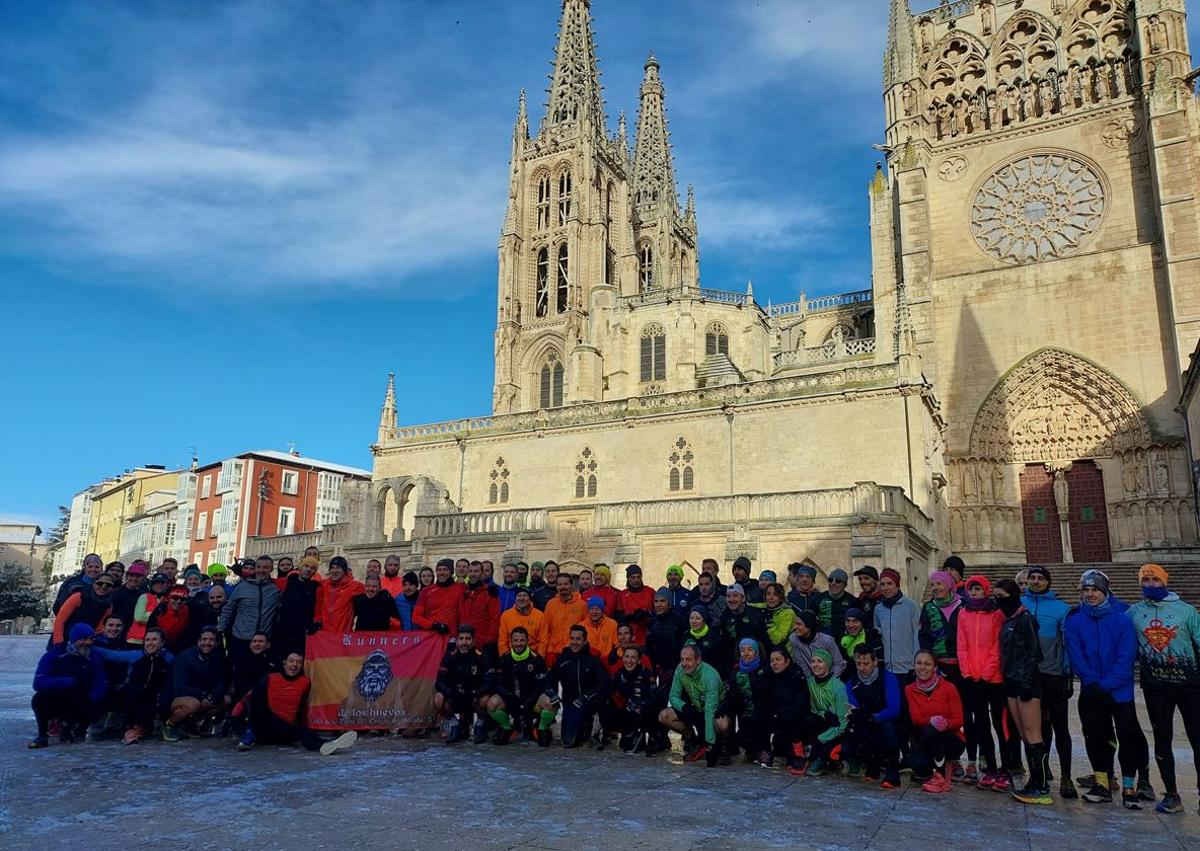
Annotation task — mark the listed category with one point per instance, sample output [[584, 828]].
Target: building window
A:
[[206, 487], [550, 384], [202, 526], [543, 202], [564, 280], [289, 482], [716, 340], [169, 533], [498, 487], [586, 469], [287, 521], [564, 197], [654, 353], [646, 267], [541, 299], [681, 476]]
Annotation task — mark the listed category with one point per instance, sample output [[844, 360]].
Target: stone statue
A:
[[1074, 86], [1129, 463], [1142, 477], [960, 115], [987, 17], [909, 98], [925, 33], [1061, 493], [981, 111], [1162, 477], [1046, 95], [970, 484], [1156, 34], [1028, 93], [997, 482]]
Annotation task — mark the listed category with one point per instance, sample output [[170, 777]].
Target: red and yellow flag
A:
[[372, 680]]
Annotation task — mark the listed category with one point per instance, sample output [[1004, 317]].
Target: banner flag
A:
[[372, 680]]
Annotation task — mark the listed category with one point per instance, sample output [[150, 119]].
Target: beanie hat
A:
[[675, 570], [190, 572], [809, 618], [1038, 570], [982, 582], [596, 603], [139, 568], [411, 578], [701, 610], [955, 563], [743, 562], [217, 569], [602, 570], [1156, 570], [802, 570], [92, 558], [824, 655], [442, 562], [662, 594], [178, 591], [310, 561], [735, 588], [159, 577], [944, 578], [1095, 579], [857, 614], [633, 570], [890, 573], [538, 564], [79, 632], [838, 575], [338, 561], [867, 570], [768, 575]]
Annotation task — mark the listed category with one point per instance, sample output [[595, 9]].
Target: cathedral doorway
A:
[[1080, 485], [1043, 539], [1088, 516]]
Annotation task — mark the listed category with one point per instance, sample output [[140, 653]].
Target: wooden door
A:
[[1088, 515], [1043, 540]]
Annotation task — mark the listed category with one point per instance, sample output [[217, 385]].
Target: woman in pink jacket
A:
[[982, 688]]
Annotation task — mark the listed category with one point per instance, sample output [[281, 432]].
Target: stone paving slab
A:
[[420, 794]]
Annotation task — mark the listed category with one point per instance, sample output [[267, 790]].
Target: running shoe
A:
[[1146, 791], [970, 774], [1098, 794], [818, 768], [1066, 790], [133, 735], [1130, 799], [797, 766], [957, 774], [697, 753], [341, 743], [170, 733], [1170, 804], [247, 742], [766, 759], [892, 781], [1030, 795], [39, 743], [938, 784], [1002, 782], [987, 780]]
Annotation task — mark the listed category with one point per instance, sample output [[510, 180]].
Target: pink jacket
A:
[[979, 644]]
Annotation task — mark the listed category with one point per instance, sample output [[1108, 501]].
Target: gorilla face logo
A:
[[373, 679]]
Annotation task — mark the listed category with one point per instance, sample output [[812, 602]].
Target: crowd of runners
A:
[[971, 685]]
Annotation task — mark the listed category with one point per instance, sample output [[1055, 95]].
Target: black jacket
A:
[[374, 614], [633, 690], [748, 623], [124, 602], [198, 676], [664, 639], [579, 674], [787, 694], [297, 605], [542, 595], [517, 682], [150, 674], [1020, 649], [462, 674], [248, 669]]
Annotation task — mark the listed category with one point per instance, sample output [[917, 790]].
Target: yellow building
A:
[[120, 501]]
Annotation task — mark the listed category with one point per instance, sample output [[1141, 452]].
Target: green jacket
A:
[[830, 698], [779, 625], [703, 689]]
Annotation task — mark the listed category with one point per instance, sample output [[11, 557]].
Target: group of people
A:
[[972, 684]]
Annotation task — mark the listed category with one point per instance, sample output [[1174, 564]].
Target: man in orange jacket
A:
[[335, 602], [438, 604], [563, 612], [524, 614], [601, 630]]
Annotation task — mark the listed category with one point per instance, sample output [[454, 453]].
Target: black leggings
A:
[[931, 748], [985, 710], [1056, 728], [71, 708], [270, 729], [1099, 718], [1161, 704]]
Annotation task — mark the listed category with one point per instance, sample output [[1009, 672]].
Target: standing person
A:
[[982, 688], [534, 576], [697, 691], [205, 609], [936, 715], [218, 573], [1168, 636], [710, 641], [1102, 646], [741, 620], [788, 708], [873, 740], [833, 605], [283, 567], [711, 565], [1058, 685], [173, 617], [778, 616], [438, 605], [741, 575], [546, 592], [601, 629], [602, 587], [374, 609], [91, 605], [335, 604], [710, 597], [391, 581], [868, 590], [578, 672], [92, 567], [479, 606], [523, 573], [516, 683], [563, 612], [804, 596], [939, 624], [523, 615], [251, 608], [374, 568], [68, 686], [506, 591], [1020, 662], [898, 619], [460, 570], [830, 713], [406, 600], [806, 639], [679, 596], [125, 597], [665, 635], [297, 609], [584, 583], [635, 602], [145, 606], [957, 568]]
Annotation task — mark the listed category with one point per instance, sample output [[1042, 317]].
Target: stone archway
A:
[[393, 514]]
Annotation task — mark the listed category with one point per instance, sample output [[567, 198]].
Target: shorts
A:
[[459, 703], [1013, 690]]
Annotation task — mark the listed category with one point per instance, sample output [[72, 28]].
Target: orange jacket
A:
[[535, 625], [601, 636], [335, 604], [979, 644], [392, 584], [560, 617]]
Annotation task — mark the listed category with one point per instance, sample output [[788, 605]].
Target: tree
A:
[[59, 532], [17, 597]]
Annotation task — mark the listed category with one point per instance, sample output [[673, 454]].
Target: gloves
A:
[[1026, 692], [578, 703], [441, 628], [634, 706], [314, 627], [1070, 687], [939, 723], [1094, 692]]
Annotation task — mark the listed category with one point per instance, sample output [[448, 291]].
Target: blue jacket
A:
[[880, 700], [404, 608], [1051, 613], [199, 676], [127, 658], [59, 670], [508, 596], [1102, 646], [680, 599]]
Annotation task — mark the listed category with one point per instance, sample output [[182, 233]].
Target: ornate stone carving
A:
[[1055, 405], [952, 168], [1038, 207], [1118, 133]]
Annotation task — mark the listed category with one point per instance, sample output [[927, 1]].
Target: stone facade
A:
[[1007, 387]]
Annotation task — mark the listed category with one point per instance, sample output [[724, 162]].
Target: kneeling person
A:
[[459, 691], [581, 676], [275, 707], [514, 686], [697, 699], [629, 711]]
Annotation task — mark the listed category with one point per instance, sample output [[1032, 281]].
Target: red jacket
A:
[[335, 604], [439, 604], [608, 594], [286, 696], [480, 607], [394, 585], [943, 700], [979, 644], [629, 602]]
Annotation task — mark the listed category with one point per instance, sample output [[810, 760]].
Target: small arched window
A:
[[550, 382], [681, 476], [683, 255], [653, 353], [646, 267], [586, 470], [498, 488], [716, 339], [564, 197], [541, 301], [543, 202], [564, 279]]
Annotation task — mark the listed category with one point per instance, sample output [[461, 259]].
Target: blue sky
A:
[[222, 224]]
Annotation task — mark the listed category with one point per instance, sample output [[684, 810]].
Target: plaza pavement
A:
[[413, 794]]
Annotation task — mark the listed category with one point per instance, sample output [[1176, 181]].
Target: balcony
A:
[[830, 352], [820, 304]]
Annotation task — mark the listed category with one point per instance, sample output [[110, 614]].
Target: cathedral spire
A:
[[689, 217], [575, 83], [387, 417], [519, 138], [899, 63], [653, 169], [521, 128]]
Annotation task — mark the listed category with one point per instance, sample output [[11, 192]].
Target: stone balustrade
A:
[[833, 350], [294, 545], [480, 523], [820, 304]]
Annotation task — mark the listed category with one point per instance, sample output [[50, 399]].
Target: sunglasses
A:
[[104, 585]]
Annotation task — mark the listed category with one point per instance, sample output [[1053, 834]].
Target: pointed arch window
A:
[[586, 471], [563, 278], [498, 487], [550, 382], [716, 340], [653, 353], [681, 474], [564, 197], [543, 202], [646, 267], [541, 301]]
